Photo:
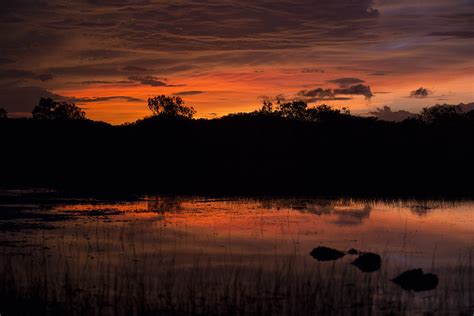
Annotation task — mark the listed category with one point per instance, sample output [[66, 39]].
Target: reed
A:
[[89, 272]]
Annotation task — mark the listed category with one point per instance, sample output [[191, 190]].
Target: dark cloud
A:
[[100, 54], [135, 69], [11, 19], [458, 34], [316, 99], [93, 70], [241, 18], [359, 89], [320, 94], [190, 25], [148, 80], [106, 41], [102, 99], [343, 82], [185, 93], [4, 61], [23, 4], [92, 82], [15, 74], [23, 99], [123, 3], [312, 70], [386, 114], [8, 74], [420, 93], [45, 77]]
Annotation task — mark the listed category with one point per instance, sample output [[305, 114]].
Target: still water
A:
[[91, 236]]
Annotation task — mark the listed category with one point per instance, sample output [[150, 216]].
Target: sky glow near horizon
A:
[[109, 56]]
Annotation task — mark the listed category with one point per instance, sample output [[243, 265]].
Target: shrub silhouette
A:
[[3, 114], [48, 109], [170, 106]]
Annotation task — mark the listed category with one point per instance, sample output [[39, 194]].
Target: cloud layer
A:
[[420, 93], [233, 50], [320, 94]]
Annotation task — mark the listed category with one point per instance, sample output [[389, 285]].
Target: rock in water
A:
[[408, 279], [353, 251], [428, 283], [326, 254], [416, 280], [368, 262]]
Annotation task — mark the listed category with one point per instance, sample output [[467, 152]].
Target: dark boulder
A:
[[416, 280], [326, 254], [368, 262]]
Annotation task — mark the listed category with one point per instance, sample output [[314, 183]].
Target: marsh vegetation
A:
[[203, 256]]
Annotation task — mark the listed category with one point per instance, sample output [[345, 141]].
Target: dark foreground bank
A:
[[254, 153]]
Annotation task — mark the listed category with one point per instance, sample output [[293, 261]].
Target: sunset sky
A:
[[109, 56]]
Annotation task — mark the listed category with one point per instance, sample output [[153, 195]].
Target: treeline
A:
[[283, 148]]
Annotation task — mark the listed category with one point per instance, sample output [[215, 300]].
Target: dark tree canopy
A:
[[267, 107], [170, 106], [326, 112], [48, 109], [299, 110], [294, 109], [441, 113], [3, 113]]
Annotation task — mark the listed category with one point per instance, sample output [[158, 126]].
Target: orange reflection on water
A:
[[413, 231]]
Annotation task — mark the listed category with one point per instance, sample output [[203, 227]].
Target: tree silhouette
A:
[[170, 106], [470, 115], [326, 112], [3, 114], [267, 107], [294, 109], [48, 109], [441, 113], [299, 110]]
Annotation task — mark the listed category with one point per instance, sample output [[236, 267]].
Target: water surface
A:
[[88, 238]]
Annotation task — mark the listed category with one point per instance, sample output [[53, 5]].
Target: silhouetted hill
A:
[[255, 153]]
